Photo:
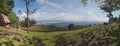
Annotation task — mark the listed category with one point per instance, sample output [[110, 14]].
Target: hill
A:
[[97, 35]]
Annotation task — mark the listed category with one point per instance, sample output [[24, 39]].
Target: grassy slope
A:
[[48, 38]]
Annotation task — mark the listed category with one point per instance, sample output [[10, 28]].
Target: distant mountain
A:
[[65, 23]]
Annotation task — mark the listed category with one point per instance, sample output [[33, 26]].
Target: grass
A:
[[48, 38]]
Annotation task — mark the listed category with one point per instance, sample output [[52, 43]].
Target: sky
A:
[[64, 10]]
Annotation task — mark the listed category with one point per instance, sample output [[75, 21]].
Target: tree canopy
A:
[[14, 19], [109, 6], [6, 6]]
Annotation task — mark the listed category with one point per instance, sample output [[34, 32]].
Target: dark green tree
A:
[[109, 6], [14, 19], [71, 26], [6, 6]]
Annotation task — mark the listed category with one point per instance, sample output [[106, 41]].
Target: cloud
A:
[[49, 3], [89, 15], [41, 1], [21, 13], [68, 17], [70, 13], [96, 15]]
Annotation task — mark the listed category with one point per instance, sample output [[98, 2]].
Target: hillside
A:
[[97, 35]]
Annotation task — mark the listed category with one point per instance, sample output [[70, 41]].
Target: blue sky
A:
[[65, 10]]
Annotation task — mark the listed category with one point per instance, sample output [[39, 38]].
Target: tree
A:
[[6, 6], [28, 11], [14, 19], [108, 6], [25, 24], [71, 26]]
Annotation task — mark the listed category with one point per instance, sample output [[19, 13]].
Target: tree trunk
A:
[[27, 7], [110, 17]]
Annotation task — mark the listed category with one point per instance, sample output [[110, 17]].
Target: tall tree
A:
[[108, 6], [28, 11]]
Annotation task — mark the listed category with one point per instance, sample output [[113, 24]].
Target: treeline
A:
[[51, 28]]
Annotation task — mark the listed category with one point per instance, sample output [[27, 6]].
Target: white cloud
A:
[[90, 15], [41, 1], [21, 13], [49, 3], [68, 17]]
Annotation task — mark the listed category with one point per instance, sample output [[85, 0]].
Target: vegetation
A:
[[95, 35], [106, 34], [14, 19], [71, 26], [6, 6], [53, 28], [108, 6], [28, 11], [25, 24]]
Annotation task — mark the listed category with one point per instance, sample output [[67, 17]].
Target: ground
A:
[[21, 38]]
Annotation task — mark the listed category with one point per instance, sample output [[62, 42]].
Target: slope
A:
[[97, 35]]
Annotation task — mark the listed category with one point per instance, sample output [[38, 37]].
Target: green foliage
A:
[[14, 19], [84, 2], [24, 23], [99, 35], [6, 6], [71, 26], [17, 39], [60, 41], [110, 5]]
